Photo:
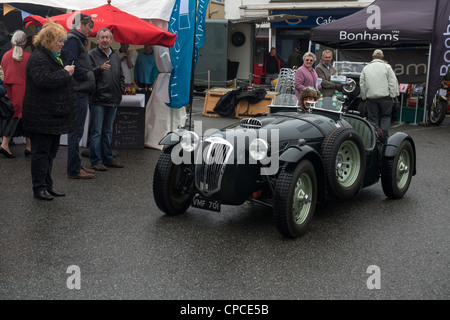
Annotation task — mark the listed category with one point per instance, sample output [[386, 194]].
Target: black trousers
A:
[[44, 148]]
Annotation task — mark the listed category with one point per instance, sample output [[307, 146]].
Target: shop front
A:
[[291, 32]]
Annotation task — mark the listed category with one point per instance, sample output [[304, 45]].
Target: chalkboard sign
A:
[[129, 128]]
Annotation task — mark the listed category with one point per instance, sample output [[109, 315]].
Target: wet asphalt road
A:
[[123, 247]]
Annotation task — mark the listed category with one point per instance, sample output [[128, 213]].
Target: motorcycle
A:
[[441, 101]]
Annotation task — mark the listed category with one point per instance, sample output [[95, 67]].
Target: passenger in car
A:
[[307, 97]]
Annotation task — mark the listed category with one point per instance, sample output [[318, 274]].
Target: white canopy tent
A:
[[145, 9], [160, 119]]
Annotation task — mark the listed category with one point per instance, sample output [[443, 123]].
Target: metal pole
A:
[[427, 85], [209, 79], [191, 95], [401, 109], [417, 109]]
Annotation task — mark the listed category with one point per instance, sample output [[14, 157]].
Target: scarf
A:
[[58, 57]]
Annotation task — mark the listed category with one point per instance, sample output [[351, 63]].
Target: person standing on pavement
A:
[[127, 60], [272, 65], [47, 105], [145, 69], [306, 76], [379, 86], [295, 58], [110, 84], [5, 40], [324, 71], [84, 84], [14, 64]]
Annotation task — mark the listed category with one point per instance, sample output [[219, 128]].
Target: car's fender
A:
[[394, 142], [172, 138], [294, 154]]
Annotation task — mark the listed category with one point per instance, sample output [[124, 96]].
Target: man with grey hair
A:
[[379, 86], [103, 103], [325, 70]]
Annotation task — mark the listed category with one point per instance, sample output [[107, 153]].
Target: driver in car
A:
[[308, 98]]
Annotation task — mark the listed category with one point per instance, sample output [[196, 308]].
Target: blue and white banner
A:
[[188, 24], [202, 5]]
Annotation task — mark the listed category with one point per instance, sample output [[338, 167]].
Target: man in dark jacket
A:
[[5, 40], [110, 84], [84, 84], [272, 65]]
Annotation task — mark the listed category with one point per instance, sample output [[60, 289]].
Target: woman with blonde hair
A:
[[14, 64], [48, 105]]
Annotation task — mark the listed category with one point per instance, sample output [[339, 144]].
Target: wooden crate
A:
[[211, 99], [243, 109]]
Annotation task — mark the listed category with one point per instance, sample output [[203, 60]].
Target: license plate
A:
[[206, 204]]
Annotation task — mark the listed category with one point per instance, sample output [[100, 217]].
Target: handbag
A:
[[6, 108]]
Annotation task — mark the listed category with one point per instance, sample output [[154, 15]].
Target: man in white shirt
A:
[[379, 86]]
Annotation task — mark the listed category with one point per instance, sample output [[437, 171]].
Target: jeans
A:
[[102, 119], [270, 77], [379, 111], [44, 148], [81, 104]]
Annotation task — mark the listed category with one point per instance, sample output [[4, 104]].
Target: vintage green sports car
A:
[[286, 159]]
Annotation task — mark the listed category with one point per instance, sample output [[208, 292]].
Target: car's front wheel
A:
[[171, 186], [295, 199], [397, 171], [344, 159]]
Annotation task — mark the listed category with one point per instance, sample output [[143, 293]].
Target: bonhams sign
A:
[[440, 54], [373, 33]]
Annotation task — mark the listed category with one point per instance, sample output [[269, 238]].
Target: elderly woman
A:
[[14, 63], [308, 94], [48, 105], [305, 76]]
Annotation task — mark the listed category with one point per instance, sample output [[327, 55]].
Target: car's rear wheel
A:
[[295, 199], [344, 159], [170, 186], [397, 171]]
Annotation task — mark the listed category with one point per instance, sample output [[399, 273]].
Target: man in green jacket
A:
[[379, 87], [325, 70]]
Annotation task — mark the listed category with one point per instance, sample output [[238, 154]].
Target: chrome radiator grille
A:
[[210, 164]]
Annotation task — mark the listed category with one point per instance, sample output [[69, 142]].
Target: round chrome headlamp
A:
[[258, 149], [350, 86], [189, 141]]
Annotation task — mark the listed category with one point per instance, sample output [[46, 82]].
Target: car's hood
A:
[[285, 126]]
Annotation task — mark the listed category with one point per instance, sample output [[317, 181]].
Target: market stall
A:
[[396, 24]]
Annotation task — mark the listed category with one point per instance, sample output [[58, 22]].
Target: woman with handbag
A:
[[14, 64], [48, 109]]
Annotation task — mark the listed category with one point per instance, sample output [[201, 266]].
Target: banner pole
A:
[[191, 94], [427, 86]]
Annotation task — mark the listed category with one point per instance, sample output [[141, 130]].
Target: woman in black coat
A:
[[48, 105]]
